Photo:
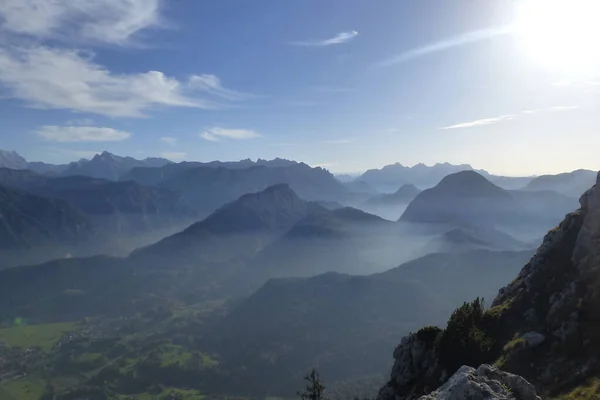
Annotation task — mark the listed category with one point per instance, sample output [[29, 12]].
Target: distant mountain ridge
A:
[[28, 220], [10, 159], [208, 188], [123, 215], [388, 178], [110, 166], [468, 199], [102, 197], [155, 176], [421, 175], [461, 197], [571, 184]]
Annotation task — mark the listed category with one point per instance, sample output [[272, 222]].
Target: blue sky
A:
[[345, 84]]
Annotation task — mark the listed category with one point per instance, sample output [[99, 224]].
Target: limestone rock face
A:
[[484, 383], [414, 358]]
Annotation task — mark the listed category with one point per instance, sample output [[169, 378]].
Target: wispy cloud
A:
[[216, 134], [108, 21], [73, 81], [66, 134], [446, 44], [507, 117], [342, 37], [481, 122], [40, 69], [338, 141], [169, 140], [173, 155], [211, 84]]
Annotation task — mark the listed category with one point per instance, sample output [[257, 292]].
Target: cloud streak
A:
[[211, 84], [342, 37], [72, 134], [482, 122], [216, 134], [446, 44], [507, 117]]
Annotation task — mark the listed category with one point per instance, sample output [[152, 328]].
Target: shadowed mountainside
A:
[[347, 324], [28, 220]]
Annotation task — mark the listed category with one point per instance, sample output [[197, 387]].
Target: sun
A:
[[562, 34]]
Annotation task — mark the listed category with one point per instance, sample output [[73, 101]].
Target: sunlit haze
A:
[[510, 86]]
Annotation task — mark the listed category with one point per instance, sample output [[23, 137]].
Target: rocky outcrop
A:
[[415, 361], [484, 383], [543, 326]]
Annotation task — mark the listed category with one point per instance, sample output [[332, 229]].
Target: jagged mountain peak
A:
[[11, 159]]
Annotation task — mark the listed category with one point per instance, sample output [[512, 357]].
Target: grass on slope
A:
[[173, 354], [43, 335], [588, 391], [29, 388]]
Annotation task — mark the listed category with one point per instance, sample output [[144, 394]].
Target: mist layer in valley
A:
[[237, 278]]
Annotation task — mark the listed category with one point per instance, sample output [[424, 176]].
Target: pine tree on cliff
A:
[[314, 389]]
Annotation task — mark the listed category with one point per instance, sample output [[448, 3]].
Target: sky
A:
[[348, 85]]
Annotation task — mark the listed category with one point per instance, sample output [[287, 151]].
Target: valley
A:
[[243, 302]]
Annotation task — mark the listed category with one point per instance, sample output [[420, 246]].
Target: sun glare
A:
[[561, 34]]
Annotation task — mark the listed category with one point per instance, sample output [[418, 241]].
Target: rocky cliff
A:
[[544, 326]]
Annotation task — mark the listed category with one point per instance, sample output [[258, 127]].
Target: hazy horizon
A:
[[329, 168]]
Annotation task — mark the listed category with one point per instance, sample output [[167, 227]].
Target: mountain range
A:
[[122, 215], [469, 199], [275, 233], [542, 327], [110, 166], [390, 177], [571, 184], [245, 275], [29, 220], [420, 175], [207, 188]]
